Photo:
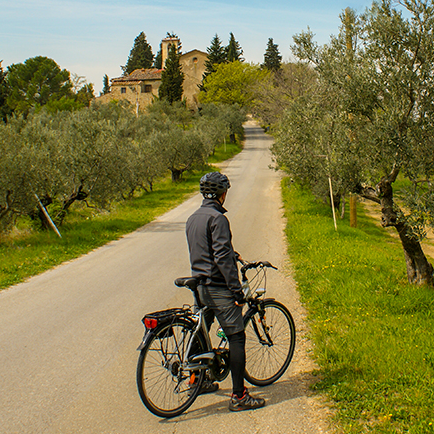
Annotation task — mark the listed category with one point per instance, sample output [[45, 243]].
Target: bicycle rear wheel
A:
[[270, 343], [164, 384]]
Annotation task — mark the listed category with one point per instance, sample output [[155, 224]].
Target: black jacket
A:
[[212, 256]]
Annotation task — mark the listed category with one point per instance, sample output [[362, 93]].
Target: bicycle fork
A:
[[265, 328]]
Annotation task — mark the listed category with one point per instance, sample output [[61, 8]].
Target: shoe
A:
[[247, 402], [207, 387]]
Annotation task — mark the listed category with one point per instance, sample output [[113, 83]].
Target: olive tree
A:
[[227, 118], [93, 142], [380, 71], [14, 166], [99, 155], [212, 132], [28, 159], [180, 149], [275, 91]]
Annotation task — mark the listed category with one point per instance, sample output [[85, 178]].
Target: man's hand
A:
[[239, 258], [239, 298]]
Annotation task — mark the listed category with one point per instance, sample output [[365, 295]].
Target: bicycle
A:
[[176, 351]]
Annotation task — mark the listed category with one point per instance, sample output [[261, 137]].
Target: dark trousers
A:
[[237, 355]]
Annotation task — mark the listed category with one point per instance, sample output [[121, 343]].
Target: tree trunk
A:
[[176, 174], [77, 195], [8, 204], [419, 270], [343, 207], [38, 214], [336, 200]]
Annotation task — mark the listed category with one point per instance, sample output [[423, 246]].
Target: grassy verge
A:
[[372, 331], [32, 252]]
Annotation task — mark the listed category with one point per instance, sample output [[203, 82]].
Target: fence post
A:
[[353, 210]]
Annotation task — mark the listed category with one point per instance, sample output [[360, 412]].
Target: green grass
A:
[[28, 252], [372, 331]]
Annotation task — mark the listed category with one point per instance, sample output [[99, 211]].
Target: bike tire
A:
[[163, 385], [270, 347]]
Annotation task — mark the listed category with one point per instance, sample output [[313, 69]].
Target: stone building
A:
[[141, 86]]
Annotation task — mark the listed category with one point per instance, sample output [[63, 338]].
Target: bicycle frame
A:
[[200, 325]]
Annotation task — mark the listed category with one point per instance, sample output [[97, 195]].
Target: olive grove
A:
[[99, 155], [368, 121]]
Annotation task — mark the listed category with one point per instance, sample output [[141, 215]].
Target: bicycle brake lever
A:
[[267, 264]]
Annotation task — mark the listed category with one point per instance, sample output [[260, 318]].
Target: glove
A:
[[239, 297]]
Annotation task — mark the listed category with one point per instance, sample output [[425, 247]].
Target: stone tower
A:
[[166, 43]]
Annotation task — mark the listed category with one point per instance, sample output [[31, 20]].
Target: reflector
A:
[[150, 323]]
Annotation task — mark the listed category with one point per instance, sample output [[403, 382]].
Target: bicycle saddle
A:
[[189, 282]]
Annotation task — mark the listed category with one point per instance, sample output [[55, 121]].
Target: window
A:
[[146, 88], [123, 90], [194, 59]]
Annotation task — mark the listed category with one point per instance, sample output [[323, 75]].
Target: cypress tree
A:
[[140, 55], [272, 57], [106, 85], [234, 50], [4, 91], [216, 55], [172, 78]]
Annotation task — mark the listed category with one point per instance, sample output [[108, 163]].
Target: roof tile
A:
[[138, 75]]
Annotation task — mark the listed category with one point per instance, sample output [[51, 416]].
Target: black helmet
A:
[[213, 185]]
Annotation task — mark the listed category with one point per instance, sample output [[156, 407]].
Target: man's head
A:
[[214, 185]]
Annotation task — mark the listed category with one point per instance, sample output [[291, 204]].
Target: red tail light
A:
[[150, 323]]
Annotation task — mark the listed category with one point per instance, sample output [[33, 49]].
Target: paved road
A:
[[68, 337]]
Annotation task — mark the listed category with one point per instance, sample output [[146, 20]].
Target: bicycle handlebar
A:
[[250, 265]]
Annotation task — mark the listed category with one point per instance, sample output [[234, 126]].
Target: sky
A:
[[91, 38]]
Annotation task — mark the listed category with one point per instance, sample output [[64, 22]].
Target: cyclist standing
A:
[[214, 261]]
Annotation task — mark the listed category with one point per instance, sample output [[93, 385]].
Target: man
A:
[[214, 261]]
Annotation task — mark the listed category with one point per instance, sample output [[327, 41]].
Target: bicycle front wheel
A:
[[164, 384], [270, 343]]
